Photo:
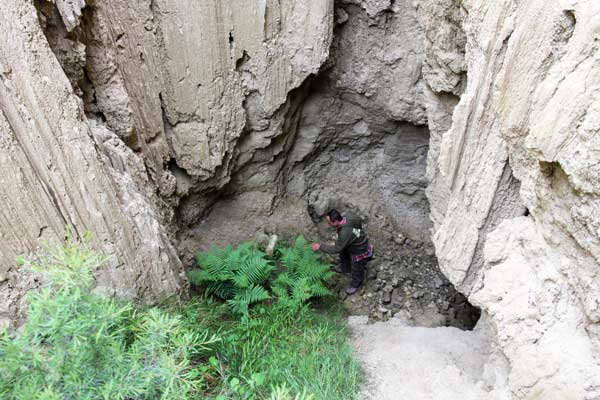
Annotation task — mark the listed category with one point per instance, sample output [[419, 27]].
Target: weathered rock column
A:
[[55, 172], [519, 228]]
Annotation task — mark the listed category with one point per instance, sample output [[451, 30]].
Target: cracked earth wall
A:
[[60, 169]]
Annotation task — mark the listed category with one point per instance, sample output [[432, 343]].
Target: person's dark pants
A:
[[356, 269]]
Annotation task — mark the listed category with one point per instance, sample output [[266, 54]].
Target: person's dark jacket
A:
[[351, 237]]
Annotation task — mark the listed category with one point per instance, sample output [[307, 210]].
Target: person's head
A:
[[334, 218]]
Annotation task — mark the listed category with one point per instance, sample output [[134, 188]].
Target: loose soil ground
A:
[[416, 363]]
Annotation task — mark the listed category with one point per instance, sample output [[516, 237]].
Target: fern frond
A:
[[246, 248], [232, 260], [300, 242], [253, 294], [304, 278], [199, 276], [223, 290], [241, 280], [256, 268], [285, 279], [301, 291], [319, 290], [238, 306], [242, 300], [288, 257], [210, 259], [280, 291]]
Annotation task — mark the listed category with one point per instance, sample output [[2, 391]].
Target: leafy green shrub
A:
[[303, 277], [235, 275], [79, 345], [244, 275]]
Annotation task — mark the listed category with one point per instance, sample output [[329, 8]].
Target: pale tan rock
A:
[[54, 175], [541, 331], [522, 143], [70, 11], [196, 62], [444, 66], [406, 362], [168, 87]]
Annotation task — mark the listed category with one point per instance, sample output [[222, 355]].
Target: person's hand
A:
[[316, 246]]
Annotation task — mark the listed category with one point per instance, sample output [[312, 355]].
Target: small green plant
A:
[[235, 275], [280, 353], [303, 277], [79, 345], [283, 393]]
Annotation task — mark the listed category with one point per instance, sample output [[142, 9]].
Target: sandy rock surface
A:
[[517, 230], [60, 169], [406, 362]]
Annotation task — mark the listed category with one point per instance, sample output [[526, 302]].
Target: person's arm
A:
[[344, 239]]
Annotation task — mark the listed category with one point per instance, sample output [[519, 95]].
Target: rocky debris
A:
[[271, 245], [70, 11], [444, 65], [407, 282], [402, 277], [402, 361], [250, 216]]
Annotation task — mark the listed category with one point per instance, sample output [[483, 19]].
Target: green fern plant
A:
[[303, 277], [235, 275]]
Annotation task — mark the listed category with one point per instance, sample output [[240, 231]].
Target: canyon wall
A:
[[60, 169], [165, 125], [355, 136], [362, 139], [517, 231], [121, 118]]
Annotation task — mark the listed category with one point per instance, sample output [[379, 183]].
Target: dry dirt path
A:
[[404, 362]]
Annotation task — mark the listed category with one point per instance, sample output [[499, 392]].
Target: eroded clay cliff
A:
[[519, 231], [59, 169], [115, 113], [164, 125]]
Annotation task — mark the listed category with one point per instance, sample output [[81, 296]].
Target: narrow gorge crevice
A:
[[363, 144], [356, 135], [359, 141]]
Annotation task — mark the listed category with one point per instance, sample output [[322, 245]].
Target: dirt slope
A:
[[405, 362]]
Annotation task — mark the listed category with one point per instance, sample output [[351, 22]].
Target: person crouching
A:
[[352, 245]]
